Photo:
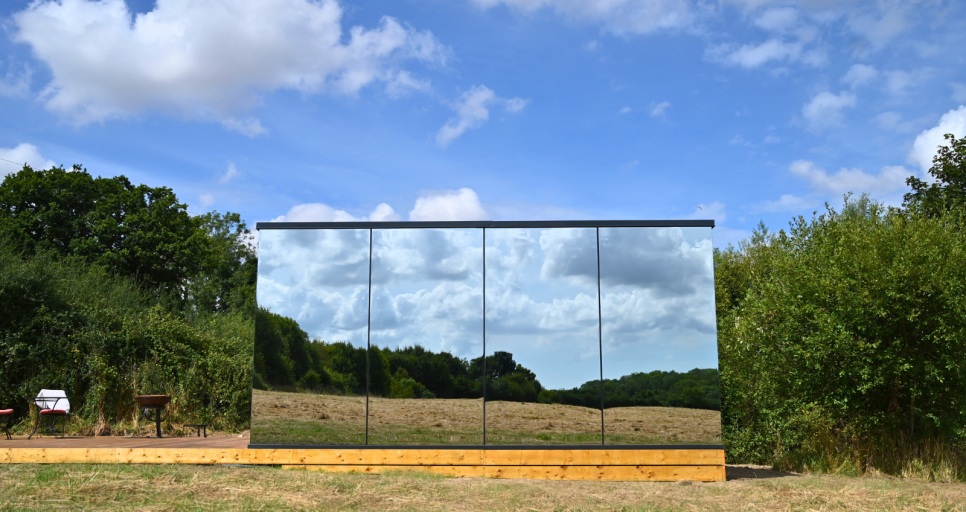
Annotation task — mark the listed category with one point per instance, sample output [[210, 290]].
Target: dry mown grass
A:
[[302, 417], [166, 487]]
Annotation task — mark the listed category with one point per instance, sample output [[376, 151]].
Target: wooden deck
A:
[[669, 464]]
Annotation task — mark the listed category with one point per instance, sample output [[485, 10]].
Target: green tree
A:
[[227, 266], [133, 230], [846, 343], [948, 192]]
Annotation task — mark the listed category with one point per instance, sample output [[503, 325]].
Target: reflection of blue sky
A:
[[657, 291], [427, 289], [657, 287], [319, 278], [541, 302]]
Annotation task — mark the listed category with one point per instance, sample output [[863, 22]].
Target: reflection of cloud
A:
[[541, 293], [657, 299], [425, 254], [319, 278], [570, 253], [427, 289], [661, 260], [524, 290]]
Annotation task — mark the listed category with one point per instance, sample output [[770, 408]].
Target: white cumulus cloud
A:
[[207, 60], [854, 180], [472, 110], [788, 203], [924, 148], [318, 212], [23, 153], [462, 204], [206, 200], [660, 109], [859, 75], [825, 110], [16, 82], [754, 55], [230, 174], [615, 16]]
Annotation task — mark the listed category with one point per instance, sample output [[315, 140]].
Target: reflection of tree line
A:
[[286, 359]]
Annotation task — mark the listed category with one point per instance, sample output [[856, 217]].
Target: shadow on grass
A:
[[755, 472]]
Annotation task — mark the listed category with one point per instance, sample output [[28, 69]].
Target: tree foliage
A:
[[133, 230], [68, 325], [948, 192], [843, 335], [108, 289]]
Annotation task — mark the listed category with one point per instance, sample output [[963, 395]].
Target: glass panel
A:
[[660, 350], [542, 338], [310, 337], [427, 327]]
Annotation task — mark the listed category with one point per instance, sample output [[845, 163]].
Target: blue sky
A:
[[739, 111]]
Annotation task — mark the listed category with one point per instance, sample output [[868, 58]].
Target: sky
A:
[[735, 110], [655, 312]]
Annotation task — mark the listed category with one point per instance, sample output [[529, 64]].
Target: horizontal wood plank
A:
[[669, 457], [462, 471], [600, 473], [658, 465]]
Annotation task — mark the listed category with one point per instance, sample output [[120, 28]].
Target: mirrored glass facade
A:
[[468, 334], [660, 349], [542, 335], [310, 335], [427, 298]]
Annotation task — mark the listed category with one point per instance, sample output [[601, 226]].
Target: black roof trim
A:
[[487, 447], [492, 224]]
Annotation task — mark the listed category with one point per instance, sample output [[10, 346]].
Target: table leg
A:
[[36, 425]]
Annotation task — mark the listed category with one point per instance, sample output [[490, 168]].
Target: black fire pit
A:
[[156, 403]]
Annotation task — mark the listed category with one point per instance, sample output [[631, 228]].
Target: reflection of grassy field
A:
[[297, 418], [661, 425], [404, 421], [302, 418]]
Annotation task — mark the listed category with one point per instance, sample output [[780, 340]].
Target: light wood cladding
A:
[[556, 464], [579, 457], [602, 473]]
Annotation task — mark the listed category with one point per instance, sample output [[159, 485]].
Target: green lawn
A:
[[188, 487]]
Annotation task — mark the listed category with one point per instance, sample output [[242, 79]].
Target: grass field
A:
[[302, 418], [185, 487]]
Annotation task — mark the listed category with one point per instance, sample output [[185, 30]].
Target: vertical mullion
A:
[[600, 341], [368, 331], [484, 336]]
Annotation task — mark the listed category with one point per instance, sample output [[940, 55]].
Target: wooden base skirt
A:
[[627, 464]]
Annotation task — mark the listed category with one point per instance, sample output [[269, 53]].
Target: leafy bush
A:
[[842, 340], [68, 325]]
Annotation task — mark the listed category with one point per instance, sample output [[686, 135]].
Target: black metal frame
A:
[[484, 225], [158, 416], [51, 427], [492, 224], [5, 420], [487, 447]]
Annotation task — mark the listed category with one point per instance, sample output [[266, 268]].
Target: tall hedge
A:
[[843, 341], [68, 325]]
